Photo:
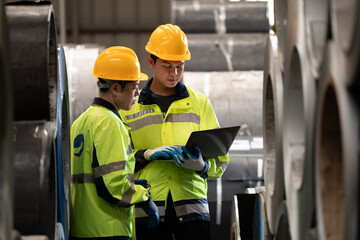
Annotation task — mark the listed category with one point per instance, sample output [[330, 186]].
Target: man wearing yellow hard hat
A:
[[103, 191], [162, 119]]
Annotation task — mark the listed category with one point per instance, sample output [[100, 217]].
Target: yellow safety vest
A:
[[102, 173], [191, 111]]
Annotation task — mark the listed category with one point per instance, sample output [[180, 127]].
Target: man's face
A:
[[126, 97], [168, 73]]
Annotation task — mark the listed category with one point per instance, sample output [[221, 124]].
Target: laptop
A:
[[213, 142]]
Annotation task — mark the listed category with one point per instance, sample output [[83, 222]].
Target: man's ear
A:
[[151, 62], [115, 88]]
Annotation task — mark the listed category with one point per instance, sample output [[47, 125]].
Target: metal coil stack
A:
[[311, 119], [41, 121], [223, 36]]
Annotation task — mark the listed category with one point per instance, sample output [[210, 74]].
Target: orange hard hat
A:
[[118, 63], [169, 42]]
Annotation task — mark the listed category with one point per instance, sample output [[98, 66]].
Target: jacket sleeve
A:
[[113, 165], [218, 165]]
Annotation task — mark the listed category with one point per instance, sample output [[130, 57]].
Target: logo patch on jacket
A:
[[79, 144]]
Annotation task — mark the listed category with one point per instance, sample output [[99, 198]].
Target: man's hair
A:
[[154, 58], [110, 83]]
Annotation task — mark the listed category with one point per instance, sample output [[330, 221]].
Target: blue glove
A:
[[163, 152], [192, 161], [152, 211], [142, 182]]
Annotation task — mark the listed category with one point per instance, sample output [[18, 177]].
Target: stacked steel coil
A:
[[311, 120], [223, 36], [272, 130], [41, 121], [207, 17]]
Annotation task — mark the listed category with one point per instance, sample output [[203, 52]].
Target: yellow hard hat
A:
[[119, 64], [169, 42]]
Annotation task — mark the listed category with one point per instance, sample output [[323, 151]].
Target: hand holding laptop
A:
[[188, 160]]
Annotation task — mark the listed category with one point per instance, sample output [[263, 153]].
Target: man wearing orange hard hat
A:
[[103, 190], [161, 121]]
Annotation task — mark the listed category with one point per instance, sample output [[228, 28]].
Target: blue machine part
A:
[[261, 230], [63, 145]]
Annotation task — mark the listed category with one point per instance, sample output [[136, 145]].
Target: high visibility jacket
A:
[[149, 129], [102, 173]]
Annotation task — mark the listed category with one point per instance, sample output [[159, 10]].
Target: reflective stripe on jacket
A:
[[191, 111], [102, 173]]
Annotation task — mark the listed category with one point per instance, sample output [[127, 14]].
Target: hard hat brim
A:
[[142, 77]]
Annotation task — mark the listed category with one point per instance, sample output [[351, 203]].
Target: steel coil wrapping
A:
[[345, 18], [6, 156], [80, 61], [282, 223], [298, 125], [32, 32], [229, 52], [272, 131], [337, 152], [206, 17], [281, 13], [63, 146]]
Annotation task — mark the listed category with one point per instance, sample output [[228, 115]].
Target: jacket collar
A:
[[146, 98], [106, 104]]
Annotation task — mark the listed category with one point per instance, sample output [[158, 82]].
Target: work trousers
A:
[[171, 229]]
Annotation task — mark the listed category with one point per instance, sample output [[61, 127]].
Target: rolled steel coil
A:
[[34, 178], [62, 141], [6, 146], [195, 17], [206, 17], [246, 17], [345, 18], [298, 125], [337, 152], [229, 52], [316, 26], [272, 131], [32, 32], [282, 223], [281, 14], [80, 61], [232, 108]]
